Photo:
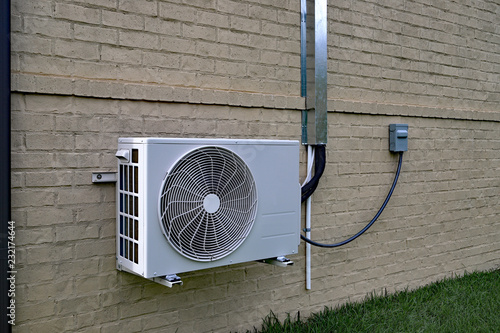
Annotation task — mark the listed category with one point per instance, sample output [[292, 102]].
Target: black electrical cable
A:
[[344, 242], [319, 166]]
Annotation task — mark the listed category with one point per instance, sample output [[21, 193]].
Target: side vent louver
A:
[[129, 209]]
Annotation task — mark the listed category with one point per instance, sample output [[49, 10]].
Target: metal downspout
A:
[[5, 198]]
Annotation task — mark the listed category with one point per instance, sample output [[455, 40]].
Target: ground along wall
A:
[[87, 72]]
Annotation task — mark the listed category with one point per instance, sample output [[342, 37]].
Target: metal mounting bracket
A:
[[278, 261], [104, 177], [169, 280]]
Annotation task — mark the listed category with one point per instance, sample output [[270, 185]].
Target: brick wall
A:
[[87, 72], [225, 45], [432, 53]]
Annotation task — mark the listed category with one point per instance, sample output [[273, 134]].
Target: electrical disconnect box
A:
[[398, 137]]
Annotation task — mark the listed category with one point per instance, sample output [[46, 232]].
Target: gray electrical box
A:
[[398, 137]]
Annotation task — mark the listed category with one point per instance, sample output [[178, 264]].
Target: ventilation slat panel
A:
[[129, 208]]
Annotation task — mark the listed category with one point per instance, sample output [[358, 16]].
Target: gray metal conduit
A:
[[5, 203], [314, 57], [313, 75]]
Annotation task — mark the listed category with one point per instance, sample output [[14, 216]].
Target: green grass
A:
[[467, 304]]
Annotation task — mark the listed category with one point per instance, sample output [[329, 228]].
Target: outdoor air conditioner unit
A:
[[191, 204]]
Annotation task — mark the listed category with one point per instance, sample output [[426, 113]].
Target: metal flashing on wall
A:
[[314, 82]]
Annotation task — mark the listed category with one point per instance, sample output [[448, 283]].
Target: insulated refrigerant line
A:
[[362, 231], [319, 167]]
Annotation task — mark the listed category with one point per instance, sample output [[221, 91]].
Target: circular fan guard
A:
[[208, 203]]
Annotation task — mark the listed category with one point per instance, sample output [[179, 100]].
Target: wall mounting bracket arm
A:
[[278, 261], [168, 280]]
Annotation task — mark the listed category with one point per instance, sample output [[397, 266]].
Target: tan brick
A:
[[156, 322], [32, 160], [80, 195], [121, 55], [15, 63], [49, 142], [36, 63], [139, 308], [17, 179], [94, 248], [131, 325], [198, 127], [196, 312], [95, 34], [264, 13], [177, 12], [216, 322], [35, 311], [77, 13], [44, 291], [162, 126], [138, 40], [30, 44], [245, 24], [274, 58], [178, 45], [164, 60], [122, 20], [65, 123], [274, 29], [242, 53], [16, 23], [43, 8], [286, 17], [32, 198], [79, 50], [197, 64], [199, 32], [76, 232], [232, 7], [265, 42], [35, 236], [48, 216], [91, 140], [47, 179], [45, 254], [79, 304], [231, 37], [215, 82], [209, 49], [162, 27], [32, 122], [101, 316], [92, 284], [47, 27], [143, 7]]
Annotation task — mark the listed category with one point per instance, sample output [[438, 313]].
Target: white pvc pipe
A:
[[308, 222]]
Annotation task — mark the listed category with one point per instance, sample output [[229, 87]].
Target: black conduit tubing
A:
[[319, 167], [344, 242]]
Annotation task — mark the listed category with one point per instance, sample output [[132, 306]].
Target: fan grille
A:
[[208, 203]]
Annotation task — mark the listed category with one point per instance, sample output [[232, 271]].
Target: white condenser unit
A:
[[190, 204]]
